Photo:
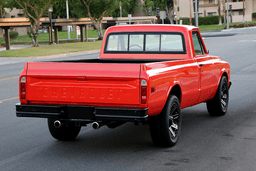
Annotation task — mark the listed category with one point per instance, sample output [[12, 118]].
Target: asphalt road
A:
[[226, 143]]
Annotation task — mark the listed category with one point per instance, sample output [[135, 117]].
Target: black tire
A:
[[66, 132], [218, 106], [165, 128]]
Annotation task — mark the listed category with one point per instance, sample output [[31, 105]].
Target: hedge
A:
[[13, 34], [208, 20], [253, 15]]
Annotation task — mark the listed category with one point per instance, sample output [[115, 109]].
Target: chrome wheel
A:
[[224, 96], [165, 128], [218, 106], [174, 121]]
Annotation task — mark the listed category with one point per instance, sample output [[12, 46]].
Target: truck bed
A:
[[124, 61]]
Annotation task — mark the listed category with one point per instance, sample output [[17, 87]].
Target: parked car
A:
[[43, 31]]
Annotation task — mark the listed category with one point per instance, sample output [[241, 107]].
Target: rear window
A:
[[145, 43]]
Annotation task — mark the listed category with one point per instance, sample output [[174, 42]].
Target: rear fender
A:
[[226, 72], [172, 90]]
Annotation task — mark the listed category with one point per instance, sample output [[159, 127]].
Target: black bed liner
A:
[[132, 61]]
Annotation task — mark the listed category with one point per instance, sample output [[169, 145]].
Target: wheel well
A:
[[176, 91], [225, 74]]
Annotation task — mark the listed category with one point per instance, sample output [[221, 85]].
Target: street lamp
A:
[[68, 18], [50, 29]]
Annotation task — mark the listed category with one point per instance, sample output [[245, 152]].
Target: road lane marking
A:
[[1, 101], [13, 77]]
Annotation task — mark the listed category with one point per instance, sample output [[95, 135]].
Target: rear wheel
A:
[[165, 128], [218, 106], [66, 132]]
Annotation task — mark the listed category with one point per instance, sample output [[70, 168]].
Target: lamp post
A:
[[50, 28], [68, 18], [227, 14], [196, 14], [120, 6]]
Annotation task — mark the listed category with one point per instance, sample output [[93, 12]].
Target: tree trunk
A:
[[34, 33], [170, 18], [220, 22], [98, 26]]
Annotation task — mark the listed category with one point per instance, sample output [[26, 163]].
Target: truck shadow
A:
[[128, 137]]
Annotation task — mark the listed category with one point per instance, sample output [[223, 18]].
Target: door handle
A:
[[201, 65], [81, 78]]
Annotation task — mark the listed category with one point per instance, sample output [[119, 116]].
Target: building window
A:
[[211, 2], [20, 15], [212, 13], [238, 12]]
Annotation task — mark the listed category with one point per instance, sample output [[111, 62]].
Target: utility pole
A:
[[68, 18], [227, 15], [196, 17]]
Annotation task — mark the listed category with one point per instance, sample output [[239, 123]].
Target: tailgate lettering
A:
[[85, 94], [92, 93], [110, 94]]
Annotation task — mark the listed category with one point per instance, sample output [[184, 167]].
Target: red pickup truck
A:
[[145, 73]]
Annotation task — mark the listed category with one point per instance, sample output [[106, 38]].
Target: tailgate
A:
[[83, 82]]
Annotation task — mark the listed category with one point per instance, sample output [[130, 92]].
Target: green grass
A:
[[44, 37], [52, 49], [219, 27]]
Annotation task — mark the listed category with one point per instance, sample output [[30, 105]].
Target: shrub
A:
[[253, 15], [208, 20], [13, 34]]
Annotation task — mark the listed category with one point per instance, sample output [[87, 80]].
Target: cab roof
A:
[[151, 28]]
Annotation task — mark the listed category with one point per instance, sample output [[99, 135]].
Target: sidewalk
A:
[[222, 33], [14, 47], [23, 46]]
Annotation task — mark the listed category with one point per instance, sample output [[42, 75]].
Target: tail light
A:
[[23, 88], [143, 91]]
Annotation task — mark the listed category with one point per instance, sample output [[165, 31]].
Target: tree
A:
[[94, 9], [34, 10], [2, 6], [165, 5], [97, 9], [220, 22], [128, 7]]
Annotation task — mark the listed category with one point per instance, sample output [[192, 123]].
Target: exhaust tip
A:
[[95, 125], [57, 124]]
